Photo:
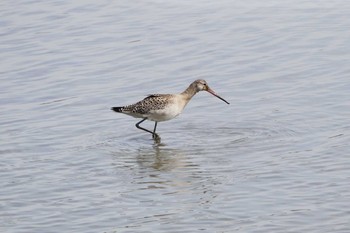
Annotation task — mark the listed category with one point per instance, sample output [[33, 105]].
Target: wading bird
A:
[[164, 107]]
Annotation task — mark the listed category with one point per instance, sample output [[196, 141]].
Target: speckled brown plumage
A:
[[151, 102]]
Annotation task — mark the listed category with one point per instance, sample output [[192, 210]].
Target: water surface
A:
[[275, 160]]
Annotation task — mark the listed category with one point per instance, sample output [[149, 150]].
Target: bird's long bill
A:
[[214, 94]]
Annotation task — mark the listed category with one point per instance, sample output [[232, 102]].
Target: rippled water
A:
[[275, 160]]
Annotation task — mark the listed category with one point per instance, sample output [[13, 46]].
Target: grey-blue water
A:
[[277, 159]]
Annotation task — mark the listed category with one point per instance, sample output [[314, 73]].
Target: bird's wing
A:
[[155, 95], [154, 102]]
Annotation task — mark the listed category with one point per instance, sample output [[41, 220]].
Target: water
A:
[[275, 160]]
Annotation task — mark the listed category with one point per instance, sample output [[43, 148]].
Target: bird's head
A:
[[202, 85]]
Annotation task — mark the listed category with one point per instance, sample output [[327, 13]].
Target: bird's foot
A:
[[156, 137]]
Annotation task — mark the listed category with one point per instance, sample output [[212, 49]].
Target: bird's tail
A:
[[117, 109]]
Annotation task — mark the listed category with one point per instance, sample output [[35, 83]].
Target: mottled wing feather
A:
[[151, 102], [157, 95]]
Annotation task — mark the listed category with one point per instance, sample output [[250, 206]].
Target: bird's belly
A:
[[164, 114]]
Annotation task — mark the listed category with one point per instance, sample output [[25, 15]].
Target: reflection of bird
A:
[[164, 107]]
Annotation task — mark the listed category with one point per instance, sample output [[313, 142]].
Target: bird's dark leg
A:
[[154, 135], [155, 127], [139, 127]]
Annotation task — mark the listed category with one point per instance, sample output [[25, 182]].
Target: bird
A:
[[164, 107]]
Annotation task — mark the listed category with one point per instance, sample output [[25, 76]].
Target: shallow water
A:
[[275, 160]]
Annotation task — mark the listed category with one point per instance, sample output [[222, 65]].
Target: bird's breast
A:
[[168, 112]]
